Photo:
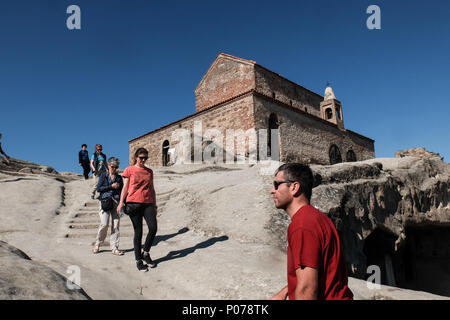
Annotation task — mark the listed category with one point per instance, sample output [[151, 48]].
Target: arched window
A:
[[351, 156], [212, 155], [335, 154], [328, 113], [272, 137], [165, 153], [338, 112]]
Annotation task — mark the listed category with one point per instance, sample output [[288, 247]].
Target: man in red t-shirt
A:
[[316, 266]]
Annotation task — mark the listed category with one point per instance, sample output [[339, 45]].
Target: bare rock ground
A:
[[21, 278], [215, 236], [207, 246]]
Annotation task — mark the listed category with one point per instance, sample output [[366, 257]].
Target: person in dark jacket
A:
[[83, 159], [3, 152], [109, 185]]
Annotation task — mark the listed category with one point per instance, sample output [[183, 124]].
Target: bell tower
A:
[[331, 108]]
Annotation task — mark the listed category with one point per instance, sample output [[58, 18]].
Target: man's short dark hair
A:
[[301, 173], [84, 145]]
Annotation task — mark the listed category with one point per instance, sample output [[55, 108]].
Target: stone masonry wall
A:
[[275, 86], [238, 94], [227, 78], [235, 115], [308, 140]]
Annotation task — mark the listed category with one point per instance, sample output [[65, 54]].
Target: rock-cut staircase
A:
[[82, 220], [82, 226]]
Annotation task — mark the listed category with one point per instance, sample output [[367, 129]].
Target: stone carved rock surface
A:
[[382, 193], [387, 196], [21, 278], [389, 212], [397, 207], [418, 152], [18, 167]]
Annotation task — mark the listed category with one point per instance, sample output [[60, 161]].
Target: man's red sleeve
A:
[[305, 248]]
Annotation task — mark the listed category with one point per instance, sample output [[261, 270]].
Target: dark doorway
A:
[[379, 251], [426, 257], [273, 145], [165, 153], [335, 154], [421, 262]]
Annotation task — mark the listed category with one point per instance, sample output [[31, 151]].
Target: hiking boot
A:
[[146, 257], [141, 266]]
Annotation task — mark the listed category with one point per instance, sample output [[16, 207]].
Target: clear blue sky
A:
[[134, 64]]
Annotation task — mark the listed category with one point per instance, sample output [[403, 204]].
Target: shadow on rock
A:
[[183, 253], [165, 237]]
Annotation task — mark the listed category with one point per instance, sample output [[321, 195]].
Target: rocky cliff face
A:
[[393, 213]]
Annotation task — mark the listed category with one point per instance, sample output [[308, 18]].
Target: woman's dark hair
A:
[[138, 152], [84, 145], [301, 173]]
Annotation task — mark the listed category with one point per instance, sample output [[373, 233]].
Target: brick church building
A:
[[238, 94]]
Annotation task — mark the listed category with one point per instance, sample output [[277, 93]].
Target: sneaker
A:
[[141, 266], [146, 257]]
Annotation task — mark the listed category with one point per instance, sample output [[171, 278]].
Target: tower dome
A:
[[329, 94]]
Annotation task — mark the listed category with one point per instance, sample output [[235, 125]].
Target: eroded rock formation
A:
[[418, 152], [18, 167], [21, 278], [393, 213]]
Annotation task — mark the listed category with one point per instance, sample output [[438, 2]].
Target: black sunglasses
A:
[[276, 184], [143, 158]]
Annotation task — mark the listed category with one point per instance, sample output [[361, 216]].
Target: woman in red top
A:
[[140, 203]]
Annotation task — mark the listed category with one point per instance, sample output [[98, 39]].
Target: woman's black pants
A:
[[148, 212]]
